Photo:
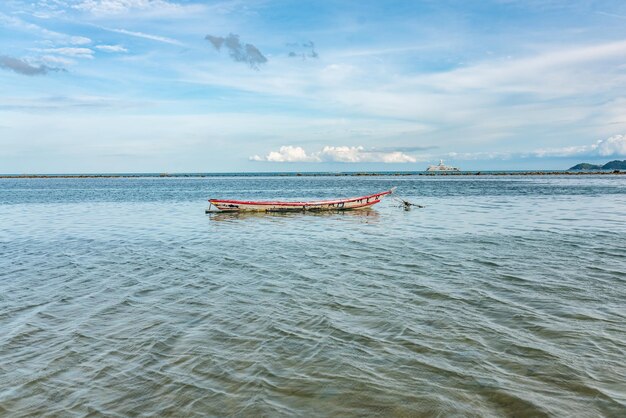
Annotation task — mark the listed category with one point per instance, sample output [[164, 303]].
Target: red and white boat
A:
[[318, 205]]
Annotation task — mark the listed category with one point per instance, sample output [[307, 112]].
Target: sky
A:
[[121, 86]]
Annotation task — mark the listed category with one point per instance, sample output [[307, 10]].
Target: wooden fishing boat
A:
[[281, 206]]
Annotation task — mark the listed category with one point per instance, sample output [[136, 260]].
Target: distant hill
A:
[[615, 165], [612, 165], [585, 166]]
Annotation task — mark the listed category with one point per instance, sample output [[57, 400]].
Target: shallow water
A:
[[503, 296]]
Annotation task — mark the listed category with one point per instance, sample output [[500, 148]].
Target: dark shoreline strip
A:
[[381, 174]]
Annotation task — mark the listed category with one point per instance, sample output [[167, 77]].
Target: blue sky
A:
[[199, 86]]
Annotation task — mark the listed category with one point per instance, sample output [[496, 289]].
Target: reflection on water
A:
[[503, 297], [367, 214]]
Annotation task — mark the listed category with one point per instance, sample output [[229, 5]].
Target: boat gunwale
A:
[[312, 203]]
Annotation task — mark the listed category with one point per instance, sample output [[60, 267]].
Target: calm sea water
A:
[[503, 296]]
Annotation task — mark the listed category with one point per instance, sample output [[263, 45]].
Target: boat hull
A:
[[353, 203]]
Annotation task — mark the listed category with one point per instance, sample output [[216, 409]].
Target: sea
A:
[[502, 296]]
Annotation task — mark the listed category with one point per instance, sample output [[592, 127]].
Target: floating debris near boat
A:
[[406, 204]]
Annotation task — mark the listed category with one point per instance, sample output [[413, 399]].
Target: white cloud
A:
[[612, 146], [145, 36], [521, 101], [611, 15], [31, 28], [340, 154], [79, 40], [337, 73], [54, 60], [71, 52], [112, 48], [118, 6], [150, 7], [287, 154], [615, 145], [558, 71], [360, 155], [481, 155]]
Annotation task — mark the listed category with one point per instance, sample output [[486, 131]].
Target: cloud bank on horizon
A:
[[173, 85], [609, 147], [340, 154], [614, 146]]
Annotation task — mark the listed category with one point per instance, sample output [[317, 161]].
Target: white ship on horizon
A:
[[441, 167]]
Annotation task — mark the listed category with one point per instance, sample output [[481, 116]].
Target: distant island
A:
[[612, 165]]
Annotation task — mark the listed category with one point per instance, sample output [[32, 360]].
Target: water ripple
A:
[[501, 297]]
